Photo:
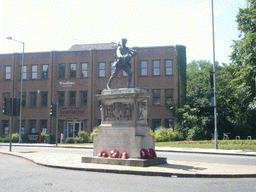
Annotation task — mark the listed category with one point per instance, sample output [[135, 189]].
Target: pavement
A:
[[173, 168]]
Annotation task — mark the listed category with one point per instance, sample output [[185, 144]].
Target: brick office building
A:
[[73, 78]]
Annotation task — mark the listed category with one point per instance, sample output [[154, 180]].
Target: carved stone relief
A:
[[118, 111]]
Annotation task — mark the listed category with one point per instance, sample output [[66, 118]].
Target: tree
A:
[[244, 61]]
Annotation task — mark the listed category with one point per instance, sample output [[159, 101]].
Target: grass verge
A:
[[222, 144]]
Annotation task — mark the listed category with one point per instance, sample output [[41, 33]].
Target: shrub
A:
[[164, 134], [42, 137], [84, 137], [52, 138], [15, 137], [70, 140], [6, 139], [24, 137], [78, 140], [94, 133]]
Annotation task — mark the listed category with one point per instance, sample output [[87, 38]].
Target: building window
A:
[[156, 96], [23, 125], [168, 123], [6, 127], [62, 70], [156, 68], [168, 67], [24, 72], [72, 98], [23, 99], [102, 69], [83, 98], [45, 71], [168, 96], [34, 72], [44, 98], [33, 99], [73, 70], [8, 70], [143, 68], [112, 68], [156, 124], [61, 98], [32, 126], [84, 70], [43, 126]]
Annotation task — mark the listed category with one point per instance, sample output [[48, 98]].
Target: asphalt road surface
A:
[[18, 174]]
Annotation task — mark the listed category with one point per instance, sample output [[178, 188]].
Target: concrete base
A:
[[126, 162]]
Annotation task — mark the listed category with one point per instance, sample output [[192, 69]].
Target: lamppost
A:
[[21, 83], [214, 84]]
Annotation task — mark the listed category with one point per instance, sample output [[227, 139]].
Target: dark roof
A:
[[82, 47]]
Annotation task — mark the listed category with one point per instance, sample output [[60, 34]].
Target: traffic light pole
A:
[[11, 120], [57, 123]]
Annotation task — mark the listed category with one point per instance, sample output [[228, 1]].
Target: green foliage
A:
[[24, 138], [78, 140], [15, 137], [94, 133], [182, 65], [197, 114], [244, 69], [70, 140], [52, 138], [43, 137], [84, 137], [6, 139], [164, 134]]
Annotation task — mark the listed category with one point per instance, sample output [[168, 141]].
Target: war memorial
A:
[[124, 137]]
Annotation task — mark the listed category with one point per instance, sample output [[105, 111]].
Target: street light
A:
[[214, 82], [21, 84]]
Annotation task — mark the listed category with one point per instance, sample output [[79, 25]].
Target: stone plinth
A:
[[123, 122], [125, 162]]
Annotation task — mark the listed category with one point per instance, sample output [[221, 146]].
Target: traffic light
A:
[[7, 106], [16, 106], [53, 110]]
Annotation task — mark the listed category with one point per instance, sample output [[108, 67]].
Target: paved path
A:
[[173, 168]]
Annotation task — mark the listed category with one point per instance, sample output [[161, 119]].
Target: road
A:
[[20, 175], [193, 157]]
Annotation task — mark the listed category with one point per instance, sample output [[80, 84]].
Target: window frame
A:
[[9, 73], [34, 72], [168, 96], [143, 68], [73, 71], [72, 101], [62, 71], [84, 71], [156, 97], [168, 74], [24, 72], [83, 98], [44, 101], [61, 99], [45, 74], [102, 69], [154, 68], [33, 103]]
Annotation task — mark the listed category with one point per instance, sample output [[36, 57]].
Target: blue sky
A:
[[47, 25]]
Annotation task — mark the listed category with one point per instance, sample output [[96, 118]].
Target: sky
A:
[[56, 25]]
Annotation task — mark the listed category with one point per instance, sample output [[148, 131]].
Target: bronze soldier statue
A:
[[123, 57]]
